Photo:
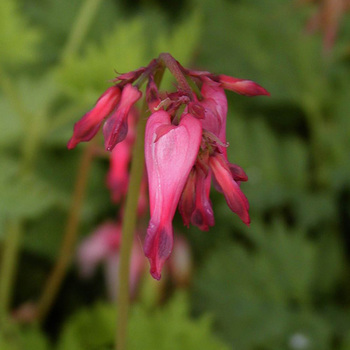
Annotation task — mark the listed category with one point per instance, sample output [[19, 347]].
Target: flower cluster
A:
[[185, 145]]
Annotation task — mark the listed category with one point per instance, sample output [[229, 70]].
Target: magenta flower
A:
[[87, 127], [170, 153], [116, 101], [116, 127], [118, 173], [185, 147]]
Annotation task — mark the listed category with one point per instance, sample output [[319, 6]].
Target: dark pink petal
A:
[[188, 197], [196, 109], [118, 173], [152, 96], [87, 127], [235, 198], [215, 104], [169, 161], [130, 76], [237, 172], [203, 216], [116, 127], [241, 86]]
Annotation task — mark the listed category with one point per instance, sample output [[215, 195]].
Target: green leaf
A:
[[131, 44], [17, 38], [277, 167], [261, 298], [169, 327], [241, 40], [22, 195], [13, 337]]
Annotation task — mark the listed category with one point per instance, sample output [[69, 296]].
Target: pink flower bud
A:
[[241, 86], [87, 127], [116, 127]]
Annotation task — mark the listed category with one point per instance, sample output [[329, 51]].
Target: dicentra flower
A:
[[185, 146]]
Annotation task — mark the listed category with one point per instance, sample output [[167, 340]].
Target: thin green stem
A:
[[54, 282], [80, 28], [128, 229], [9, 264], [174, 69]]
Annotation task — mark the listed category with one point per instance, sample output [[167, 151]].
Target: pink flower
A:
[[103, 246], [103, 242], [116, 127], [170, 153], [242, 86], [115, 101], [235, 198], [202, 215], [185, 147], [87, 127], [118, 173]]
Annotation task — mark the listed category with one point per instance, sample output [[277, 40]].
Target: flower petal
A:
[[235, 198], [116, 127], [169, 161], [87, 127], [242, 86]]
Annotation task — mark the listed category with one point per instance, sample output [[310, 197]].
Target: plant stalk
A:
[[128, 229], [54, 282], [80, 28], [9, 265]]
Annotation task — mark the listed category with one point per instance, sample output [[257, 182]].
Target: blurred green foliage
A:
[[284, 282], [168, 328]]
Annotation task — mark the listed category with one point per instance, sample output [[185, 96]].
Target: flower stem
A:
[[53, 284], [9, 264], [128, 229], [129, 223], [170, 62], [70, 236], [80, 28]]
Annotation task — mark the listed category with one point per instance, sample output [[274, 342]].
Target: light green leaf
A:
[[17, 38]]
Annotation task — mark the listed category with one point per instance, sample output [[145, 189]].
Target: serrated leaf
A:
[[258, 297]]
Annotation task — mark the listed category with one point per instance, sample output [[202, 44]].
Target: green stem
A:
[[80, 28], [174, 69], [69, 238], [128, 229], [54, 282], [9, 264]]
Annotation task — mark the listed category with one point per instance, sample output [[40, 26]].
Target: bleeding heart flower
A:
[[169, 159]]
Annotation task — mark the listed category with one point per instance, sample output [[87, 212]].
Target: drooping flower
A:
[[116, 126], [170, 152], [185, 147], [115, 103], [87, 127]]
